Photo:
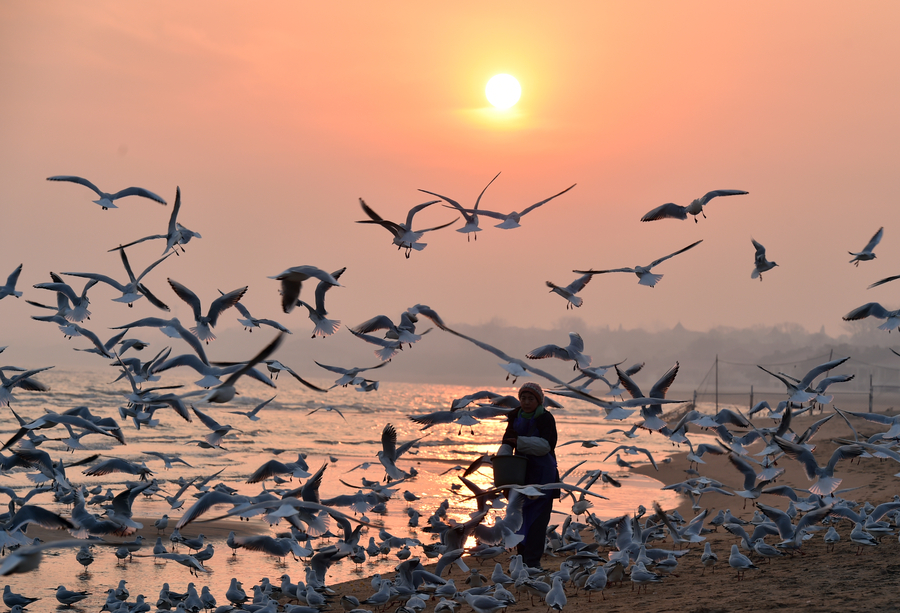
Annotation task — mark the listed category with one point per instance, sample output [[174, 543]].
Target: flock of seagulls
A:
[[627, 540]]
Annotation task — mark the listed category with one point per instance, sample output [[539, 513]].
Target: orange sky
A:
[[275, 119]]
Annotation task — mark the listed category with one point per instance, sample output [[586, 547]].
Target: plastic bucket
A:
[[509, 469]]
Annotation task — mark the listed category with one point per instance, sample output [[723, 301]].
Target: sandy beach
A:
[[814, 581]]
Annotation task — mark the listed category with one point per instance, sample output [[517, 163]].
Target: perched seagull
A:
[[10, 288], [404, 236], [695, 208], [761, 264], [131, 291], [106, 199], [645, 277], [874, 309], [508, 221], [572, 351], [866, 253], [323, 326], [740, 562], [292, 279], [568, 292], [471, 216], [176, 235], [205, 322]]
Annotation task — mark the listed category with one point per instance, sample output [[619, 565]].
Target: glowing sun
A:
[[503, 91]]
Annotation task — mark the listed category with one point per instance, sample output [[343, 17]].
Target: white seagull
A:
[[572, 351], [568, 292], [404, 236], [205, 322], [470, 215], [292, 280], [760, 263], [645, 277], [132, 290], [874, 309], [508, 221], [10, 288], [176, 234], [106, 199], [867, 252], [674, 211]]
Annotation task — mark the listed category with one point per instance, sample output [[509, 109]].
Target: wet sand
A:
[[815, 581]]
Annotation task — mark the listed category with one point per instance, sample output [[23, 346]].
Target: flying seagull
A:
[[470, 215], [404, 236], [645, 277], [695, 208], [106, 199], [866, 253], [760, 263], [508, 221]]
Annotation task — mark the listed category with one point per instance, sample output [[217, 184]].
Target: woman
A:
[[531, 432]]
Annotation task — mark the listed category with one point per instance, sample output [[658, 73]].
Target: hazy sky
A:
[[275, 118]]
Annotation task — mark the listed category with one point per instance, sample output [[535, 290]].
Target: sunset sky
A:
[[275, 118]]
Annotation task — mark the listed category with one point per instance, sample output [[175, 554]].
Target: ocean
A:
[[326, 438]]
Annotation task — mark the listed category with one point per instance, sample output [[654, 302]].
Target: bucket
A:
[[509, 469]]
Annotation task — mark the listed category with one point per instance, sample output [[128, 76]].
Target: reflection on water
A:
[[325, 437]]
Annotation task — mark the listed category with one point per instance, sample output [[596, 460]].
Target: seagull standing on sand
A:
[[760, 263], [106, 199], [674, 211], [740, 562], [645, 277], [867, 252]]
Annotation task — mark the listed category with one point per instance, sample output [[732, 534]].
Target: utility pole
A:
[[751, 397], [871, 392], [717, 385]]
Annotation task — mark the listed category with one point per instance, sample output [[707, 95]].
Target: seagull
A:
[[740, 562], [866, 253], [652, 412], [205, 322], [404, 236], [254, 414], [674, 211], [708, 558], [131, 291], [78, 311], [26, 559], [800, 390], [874, 309], [249, 321], [645, 277], [349, 376], [390, 453], [68, 597], [172, 328], [508, 221], [572, 351], [106, 200], [568, 292], [10, 288], [761, 264], [176, 235], [471, 216], [292, 279], [826, 482], [632, 449], [323, 326], [12, 599]]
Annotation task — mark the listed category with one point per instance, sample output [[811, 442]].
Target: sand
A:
[[815, 581]]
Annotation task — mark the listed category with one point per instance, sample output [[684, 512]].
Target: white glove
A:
[[533, 445], [505, 450]]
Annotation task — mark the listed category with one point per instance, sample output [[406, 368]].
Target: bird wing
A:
[[324, 286], [548, 351], [578, 284], [137, 191], [146, 270], [379, 322], [670, 209], [545, 201], [818, 370], [721, 192], [746, 470], [883, 281], [412, 212], [760, 250], [187, 295], [872, 309], [13, 278], [307, 383], [78, 180], [223, 302], [671, 255], [259, 357], [600, 272], [389, 441], [801, 454], [660, 388], [629, 384], [576, 342], [873, 242]]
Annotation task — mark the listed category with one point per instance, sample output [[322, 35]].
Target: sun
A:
[[503, 91]]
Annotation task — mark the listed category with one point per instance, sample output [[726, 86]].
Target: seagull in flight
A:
[[404, 236], [176, 234], [508, 221], [674, 211], [867, 252], [470, 215], [292, 280], [10, 288], [205, 322], [106, 199], [874, 309], [800, 390], [134, 289], [568, 292], [645, 277], [760, 263], [572, 351], [323, 326]]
